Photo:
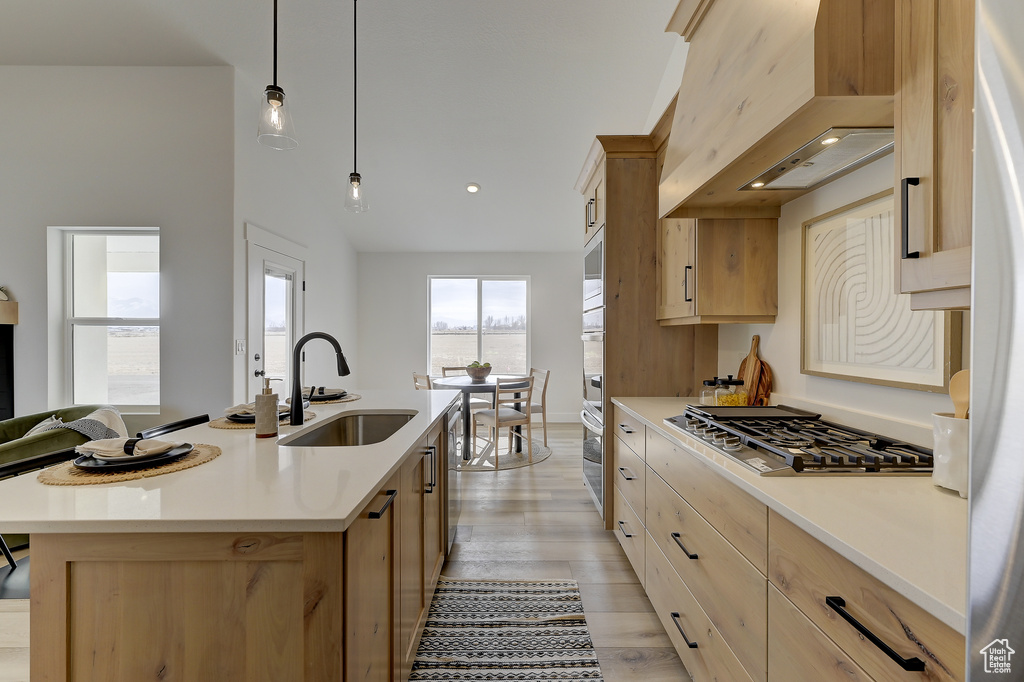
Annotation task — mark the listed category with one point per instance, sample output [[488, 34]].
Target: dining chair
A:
[[421, 382], [13, 577], [453, 371], [155, 431], [509, 393], [540, 386]]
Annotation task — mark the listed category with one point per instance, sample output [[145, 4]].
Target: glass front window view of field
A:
[[113, 317], [480, 318]]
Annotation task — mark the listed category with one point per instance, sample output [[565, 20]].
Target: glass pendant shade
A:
[[355, 197], [275, 129]]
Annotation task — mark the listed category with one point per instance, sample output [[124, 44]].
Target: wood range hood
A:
[[763, 80]]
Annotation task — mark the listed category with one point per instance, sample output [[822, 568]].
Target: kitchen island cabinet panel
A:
[[741, 519], [800, 651], [131, 607], [370, 589], [806, 572]]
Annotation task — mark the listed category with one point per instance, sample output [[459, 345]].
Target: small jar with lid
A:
[[707, 394], [730, 392]]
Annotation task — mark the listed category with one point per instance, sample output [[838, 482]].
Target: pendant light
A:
[[275, 128], [355, 197]]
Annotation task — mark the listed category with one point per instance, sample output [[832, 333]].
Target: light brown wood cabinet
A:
[[640, 356], [420, 549], [714, 270], [823, 585], [741, 591], [370, 584], [594, 196], [934, 127]]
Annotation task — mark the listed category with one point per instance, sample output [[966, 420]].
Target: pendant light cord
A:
[[275, 43], [355, 89]]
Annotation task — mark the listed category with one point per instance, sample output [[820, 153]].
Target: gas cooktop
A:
[[780, 440]]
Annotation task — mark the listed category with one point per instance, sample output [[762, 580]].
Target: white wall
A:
[[871, 406], [274, 192], [393, 316], [124, 146]]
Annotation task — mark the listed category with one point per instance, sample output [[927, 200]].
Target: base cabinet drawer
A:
[[728, 587], [798, 650], [740, 518], [808, 573], [630, 477], [630, 533], [701, 648], [629, 430]]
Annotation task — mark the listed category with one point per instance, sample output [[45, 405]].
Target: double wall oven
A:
[[592, 414]]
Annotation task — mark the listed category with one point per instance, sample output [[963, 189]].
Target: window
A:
[[480, 318], [112, 318]]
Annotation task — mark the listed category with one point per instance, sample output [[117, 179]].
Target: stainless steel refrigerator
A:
[[996, 563]]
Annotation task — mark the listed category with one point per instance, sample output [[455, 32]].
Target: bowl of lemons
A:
[[477, 372]]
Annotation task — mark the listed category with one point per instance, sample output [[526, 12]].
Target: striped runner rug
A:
[[495, 630]]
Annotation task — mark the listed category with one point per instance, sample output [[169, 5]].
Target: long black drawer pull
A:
[[623, 470], [675, 619], [625, 428], [676, 536], [432, 453], [838, 604], [392, 494], [905, 216], [686, 288], [622, 527]]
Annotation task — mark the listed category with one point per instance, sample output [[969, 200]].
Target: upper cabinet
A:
[[763, 82], [715, 271], [934, 136]]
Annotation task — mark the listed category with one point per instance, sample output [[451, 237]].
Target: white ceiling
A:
[[506, 94]]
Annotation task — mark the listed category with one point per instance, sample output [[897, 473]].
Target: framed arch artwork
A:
[[855, 326]]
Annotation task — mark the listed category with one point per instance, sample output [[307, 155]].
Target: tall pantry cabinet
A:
[[619, 184]]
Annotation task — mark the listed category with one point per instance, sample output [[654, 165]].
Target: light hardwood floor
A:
[[533, 523], [539, 522]]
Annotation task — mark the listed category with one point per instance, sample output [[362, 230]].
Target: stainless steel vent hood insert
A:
[[831, 154]]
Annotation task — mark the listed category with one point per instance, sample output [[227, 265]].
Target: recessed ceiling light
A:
[[757, 185], [830, 140], [472, 188]]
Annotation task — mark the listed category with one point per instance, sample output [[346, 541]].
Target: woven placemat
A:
[[67, 473], [225, 423], [345, 399]]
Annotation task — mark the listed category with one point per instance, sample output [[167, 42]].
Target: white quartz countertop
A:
[[905, 531], [254, 485]]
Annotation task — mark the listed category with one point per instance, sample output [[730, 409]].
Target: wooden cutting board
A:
[[756, 375]]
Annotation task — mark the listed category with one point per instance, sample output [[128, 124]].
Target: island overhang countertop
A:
[[255, 485]]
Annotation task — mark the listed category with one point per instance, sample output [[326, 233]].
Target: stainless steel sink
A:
[[354, 428]]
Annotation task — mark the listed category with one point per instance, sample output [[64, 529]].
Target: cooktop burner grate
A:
[[801, 441]]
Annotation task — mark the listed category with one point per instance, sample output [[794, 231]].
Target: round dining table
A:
[[468, 386]]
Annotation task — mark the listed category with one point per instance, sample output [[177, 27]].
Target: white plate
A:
[[181, 449]]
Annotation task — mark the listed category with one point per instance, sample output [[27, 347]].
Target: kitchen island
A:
[[792, 550], [269, 562]]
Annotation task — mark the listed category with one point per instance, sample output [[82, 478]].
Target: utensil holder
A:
[[951, 452]]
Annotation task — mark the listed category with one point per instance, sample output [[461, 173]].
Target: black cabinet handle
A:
[[622, 527], [905, 216], [676, 536], [428, 487], [675, 619], [392, 494], [838, 604], [623, 470], [686, 285], [625, 428]]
